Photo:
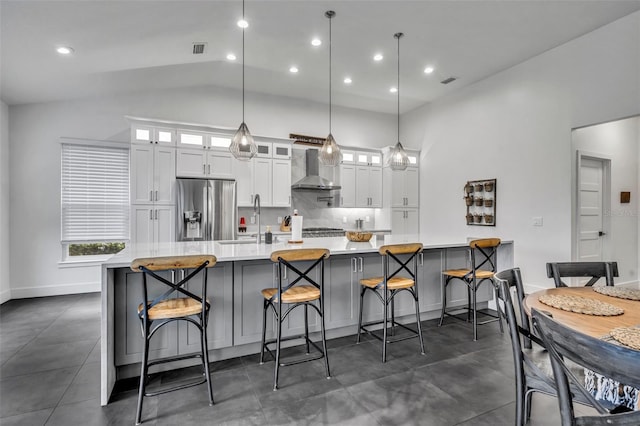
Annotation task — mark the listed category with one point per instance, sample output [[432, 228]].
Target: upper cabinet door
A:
[[264, 149], [263, 180], [411, 185], [375, 187], [244, 177], [191, 163], [220, 164], [375, 159], [164, 174], [348, 184], [154, 135], [190, 139], [142, 173], [281, 183], [348, 157], [282, 151]]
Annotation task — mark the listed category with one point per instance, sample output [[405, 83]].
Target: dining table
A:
[[592, 325]]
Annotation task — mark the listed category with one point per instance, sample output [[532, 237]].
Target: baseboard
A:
[[55, 290], [5, 296]]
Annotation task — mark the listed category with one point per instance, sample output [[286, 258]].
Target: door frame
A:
[[606, 203]]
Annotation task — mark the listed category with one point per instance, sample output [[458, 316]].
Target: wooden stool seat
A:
[[394, 283], [301, 293], [174, 308], [460, 273]]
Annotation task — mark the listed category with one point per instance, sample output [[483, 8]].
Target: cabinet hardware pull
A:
[[156, 195], [150, 214], [209, 169], [421, 259], [156, 214], [354, 264], [361, 264], [151, 195]]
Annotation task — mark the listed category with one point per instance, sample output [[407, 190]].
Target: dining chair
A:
[[166, 308], [609, 359], [592, 270]]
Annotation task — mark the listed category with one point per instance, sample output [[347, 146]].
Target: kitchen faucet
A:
[[256, 212]]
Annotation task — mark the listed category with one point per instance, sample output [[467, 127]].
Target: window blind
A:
[[95, 193]]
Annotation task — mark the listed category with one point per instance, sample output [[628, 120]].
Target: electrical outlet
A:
[[253, 219], [366, 219], [536, 221], [279, 220]]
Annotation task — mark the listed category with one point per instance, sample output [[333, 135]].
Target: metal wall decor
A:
[[480, 198]]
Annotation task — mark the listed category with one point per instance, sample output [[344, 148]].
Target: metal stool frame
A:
[[275, 303], [388, 296], [487, 250], [149, 327]]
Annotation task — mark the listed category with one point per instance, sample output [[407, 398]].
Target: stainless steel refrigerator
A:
[[207, 210]]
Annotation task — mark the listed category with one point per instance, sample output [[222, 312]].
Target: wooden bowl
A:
[[359, 236]]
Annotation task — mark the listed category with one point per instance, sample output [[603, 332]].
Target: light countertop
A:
[[227, 251]]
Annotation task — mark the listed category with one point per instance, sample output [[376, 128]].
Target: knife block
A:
[[284, 228]]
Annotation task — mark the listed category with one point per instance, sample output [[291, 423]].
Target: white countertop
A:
[[249, 250]]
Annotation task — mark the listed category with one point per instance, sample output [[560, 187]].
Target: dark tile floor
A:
[[50, 359]]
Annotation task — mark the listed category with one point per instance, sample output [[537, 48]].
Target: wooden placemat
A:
[[581, 305], [629, 336], [619, 292]]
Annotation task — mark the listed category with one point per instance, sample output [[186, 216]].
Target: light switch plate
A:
[[536, 221]]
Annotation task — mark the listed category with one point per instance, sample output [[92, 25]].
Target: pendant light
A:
[[243, 147], [330, 152], [399, 160]]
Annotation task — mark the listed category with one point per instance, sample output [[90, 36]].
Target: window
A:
[[94, 198]]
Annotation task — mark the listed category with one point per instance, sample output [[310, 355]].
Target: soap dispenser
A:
[[268, 236]]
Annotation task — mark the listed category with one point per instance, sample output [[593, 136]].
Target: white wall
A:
[[618, 141], [516, 126], [5, 289], [35, 160]]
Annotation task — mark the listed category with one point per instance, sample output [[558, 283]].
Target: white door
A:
[[142, 173], [263, 180], [143, 223], [244, 177], [220, 164], [165, 174], [191, 163], [591, 228], [375, 187]]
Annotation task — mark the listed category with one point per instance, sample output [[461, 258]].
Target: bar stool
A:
[[387, 287], [482, 253], [166, 308], [293, 295]]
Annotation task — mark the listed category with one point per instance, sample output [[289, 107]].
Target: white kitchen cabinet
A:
[[153, 223], [405, 221], [147, 134], [348, 184], [281, 183], [153, 173], [204, 163], [368, 186], [368, 158], [267, 174], [403, 186]]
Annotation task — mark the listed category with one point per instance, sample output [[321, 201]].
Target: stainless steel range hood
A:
[[313, 181]]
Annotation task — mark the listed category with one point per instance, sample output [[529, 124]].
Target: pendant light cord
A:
[[330, 16], [243, 63], [398, 35]]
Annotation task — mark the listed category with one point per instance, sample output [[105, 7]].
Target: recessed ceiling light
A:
[[242, 23], [64, 50], [231, 57], [378, 57], [316, 42], [347, 80], [293, 69], [393, 90], [428, 70]]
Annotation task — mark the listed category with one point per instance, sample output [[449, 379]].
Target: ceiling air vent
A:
[[198, 48], [448, 80]]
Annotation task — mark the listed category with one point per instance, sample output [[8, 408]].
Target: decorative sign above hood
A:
[[307, 140]]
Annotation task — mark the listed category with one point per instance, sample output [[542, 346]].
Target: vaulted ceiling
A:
[[124, 46]]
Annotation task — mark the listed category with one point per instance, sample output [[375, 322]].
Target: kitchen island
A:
[[243, 269]]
